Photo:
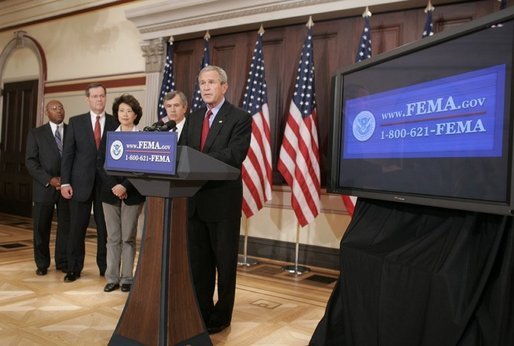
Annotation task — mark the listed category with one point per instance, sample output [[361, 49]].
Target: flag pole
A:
[[243, 260], [296, 269]]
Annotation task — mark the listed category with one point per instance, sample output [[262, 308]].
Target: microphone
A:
[[154, 126], [170, 125]]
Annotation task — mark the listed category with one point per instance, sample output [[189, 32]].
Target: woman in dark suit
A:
[[122, 204]]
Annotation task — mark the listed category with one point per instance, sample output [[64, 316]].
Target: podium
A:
[[161, 308]]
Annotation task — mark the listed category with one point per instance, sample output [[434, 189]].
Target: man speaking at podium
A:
[[223, 132]]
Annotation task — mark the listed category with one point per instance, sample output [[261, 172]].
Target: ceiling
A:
[[16, 13]]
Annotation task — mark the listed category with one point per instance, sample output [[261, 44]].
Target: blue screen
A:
[[433, 121], [456, 116]]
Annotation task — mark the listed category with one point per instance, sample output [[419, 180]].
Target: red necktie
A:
[[97, 132], [205, 129]]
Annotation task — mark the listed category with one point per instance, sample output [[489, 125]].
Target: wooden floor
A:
[[272, 307]]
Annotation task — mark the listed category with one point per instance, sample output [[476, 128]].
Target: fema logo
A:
[[364, 126], [116, 150]]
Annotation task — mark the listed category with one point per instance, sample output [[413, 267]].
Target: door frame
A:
[[22, 40]]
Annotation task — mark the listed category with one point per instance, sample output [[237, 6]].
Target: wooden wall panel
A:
[[186, 63], [231, 52], [325, 63]]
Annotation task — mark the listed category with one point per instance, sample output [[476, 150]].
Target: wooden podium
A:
[[161, 308]]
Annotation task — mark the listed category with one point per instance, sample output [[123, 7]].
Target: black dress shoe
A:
[[71, 276], [111, 287], [41, 271], [62, 268], [217, 328], [126, 287]]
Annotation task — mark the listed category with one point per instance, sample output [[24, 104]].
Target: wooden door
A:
[[18, 116]]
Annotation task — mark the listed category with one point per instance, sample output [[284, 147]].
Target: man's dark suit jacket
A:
[[228, 141], [79, 159], [43, 162]]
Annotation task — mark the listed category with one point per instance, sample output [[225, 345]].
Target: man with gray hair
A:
[[223, 132], [175, 103]]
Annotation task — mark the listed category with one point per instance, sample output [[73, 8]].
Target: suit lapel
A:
[[109, 125], [217, 125], [89, 125], [50, 139], [195, 127]]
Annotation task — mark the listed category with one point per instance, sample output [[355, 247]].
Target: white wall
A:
[[22, 65]]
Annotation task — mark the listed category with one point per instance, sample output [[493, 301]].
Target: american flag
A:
[[349, 203], [197, 101], [299, 154], [363, 53], [428, 29], [364, 49], [256, 172], [168, 84]]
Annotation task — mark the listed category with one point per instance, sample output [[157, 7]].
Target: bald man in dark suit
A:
[[43, 161], [214, 212], [80, 179]]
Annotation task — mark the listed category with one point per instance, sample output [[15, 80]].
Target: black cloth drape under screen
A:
[[416, 275]]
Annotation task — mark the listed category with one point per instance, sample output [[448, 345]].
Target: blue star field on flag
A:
[[255, 92], [197, 101], [364, 49], [304, 96], [168, 84], [428, 29]]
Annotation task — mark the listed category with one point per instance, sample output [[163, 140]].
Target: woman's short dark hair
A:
[[132, 102]]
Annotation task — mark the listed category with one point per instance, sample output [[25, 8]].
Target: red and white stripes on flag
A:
[[256, 171], [299, 154], [349, 203]]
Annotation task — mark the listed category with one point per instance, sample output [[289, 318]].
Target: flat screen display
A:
[[430, 123]]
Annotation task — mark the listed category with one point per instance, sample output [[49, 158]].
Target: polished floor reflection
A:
[[272, 307]]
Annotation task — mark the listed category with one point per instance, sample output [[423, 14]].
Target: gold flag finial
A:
[[310, 23], [429, 7], [366, 13], [261, 30]]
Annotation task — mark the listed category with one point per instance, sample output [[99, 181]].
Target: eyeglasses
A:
[[54, 108]]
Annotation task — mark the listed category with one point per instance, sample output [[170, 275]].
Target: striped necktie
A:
[[58, 139]]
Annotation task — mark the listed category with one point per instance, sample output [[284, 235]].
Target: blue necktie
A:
[[58, 139]]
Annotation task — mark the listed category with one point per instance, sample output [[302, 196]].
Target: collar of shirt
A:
[[102, 120], [134, 129], [180, 124], [215, 111], [53, 126]]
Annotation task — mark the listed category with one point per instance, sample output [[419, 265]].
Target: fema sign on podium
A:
[[142, 152]]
